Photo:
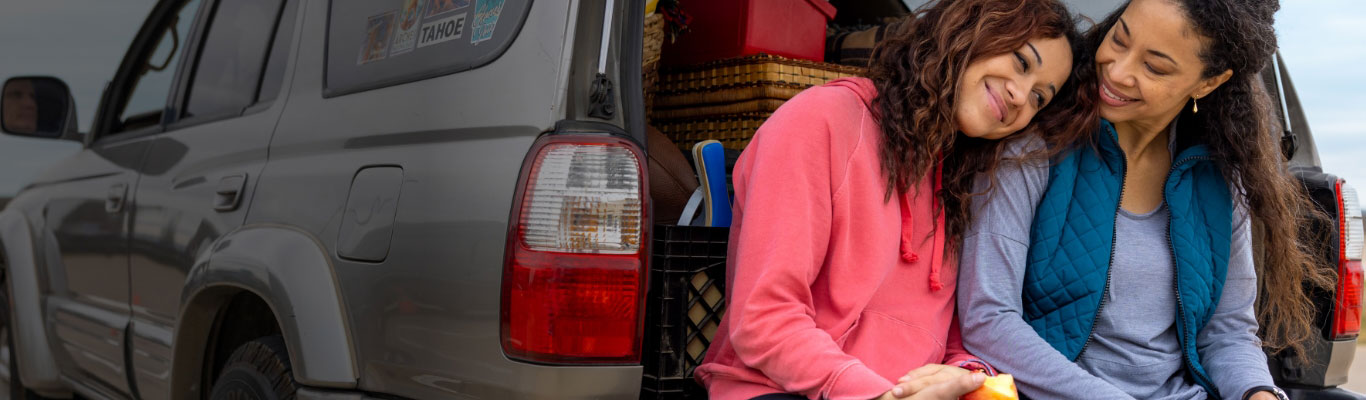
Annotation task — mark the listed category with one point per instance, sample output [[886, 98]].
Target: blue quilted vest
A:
[[1072, 242]]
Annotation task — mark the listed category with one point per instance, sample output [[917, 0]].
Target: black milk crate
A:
[[685, 304]]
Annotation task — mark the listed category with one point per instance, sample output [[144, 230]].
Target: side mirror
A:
[[40, 107]]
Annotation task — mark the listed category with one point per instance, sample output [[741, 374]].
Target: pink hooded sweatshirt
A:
[[834, 292]]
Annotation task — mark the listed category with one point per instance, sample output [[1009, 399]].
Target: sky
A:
[[1325, 50], [83, 41], [78, 41]]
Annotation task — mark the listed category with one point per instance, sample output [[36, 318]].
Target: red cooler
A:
[[723, 29]]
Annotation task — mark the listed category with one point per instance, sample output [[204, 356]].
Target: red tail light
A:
[[575, 267], [1347, 311]]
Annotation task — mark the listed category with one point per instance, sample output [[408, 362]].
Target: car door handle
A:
[[113, 203], [229, 193]]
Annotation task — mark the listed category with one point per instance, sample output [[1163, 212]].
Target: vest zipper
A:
[[1176, 285], [1180, 306], [1114, 235]]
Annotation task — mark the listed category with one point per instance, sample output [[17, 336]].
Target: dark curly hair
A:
[[916, 70], [1235, 122]]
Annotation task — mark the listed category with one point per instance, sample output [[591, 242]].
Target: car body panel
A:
[[290, 269], [85, 203], [37, 364], [197, 185], [176, 222], [431, 304]]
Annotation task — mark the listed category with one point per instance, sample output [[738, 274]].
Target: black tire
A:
[[257, 370]]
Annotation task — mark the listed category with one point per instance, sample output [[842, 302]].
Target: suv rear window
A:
[[373, 44]]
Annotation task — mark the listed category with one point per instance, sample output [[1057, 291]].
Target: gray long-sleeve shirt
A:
[[1134, 352]]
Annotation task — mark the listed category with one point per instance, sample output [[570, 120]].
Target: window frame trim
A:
[[294, 7], [256, 106], [143, 45], [180, 89]]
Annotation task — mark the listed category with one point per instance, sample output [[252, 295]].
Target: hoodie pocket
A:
[[844, 338], [890, 346]]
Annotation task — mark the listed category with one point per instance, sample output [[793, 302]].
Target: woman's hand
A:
[[1263, 395], [935, 382]]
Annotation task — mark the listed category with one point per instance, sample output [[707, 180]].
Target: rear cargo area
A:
[[714, 71]]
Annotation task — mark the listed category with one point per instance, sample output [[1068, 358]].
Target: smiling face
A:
[[1149, 65], [998, 95], [21, 107]]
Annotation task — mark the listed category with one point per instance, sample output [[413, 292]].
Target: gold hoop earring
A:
[[1195, 105]]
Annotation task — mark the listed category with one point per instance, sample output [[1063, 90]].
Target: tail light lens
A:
[[574, 271], [1347, 313]]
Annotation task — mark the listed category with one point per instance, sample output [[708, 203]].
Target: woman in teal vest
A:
[[1122, 267]]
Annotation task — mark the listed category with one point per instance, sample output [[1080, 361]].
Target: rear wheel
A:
[[257, 370]]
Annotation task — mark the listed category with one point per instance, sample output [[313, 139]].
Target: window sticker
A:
[[377, 31], [485, 20], [438, 7], [442, 30], [373, 44], [405, 37]]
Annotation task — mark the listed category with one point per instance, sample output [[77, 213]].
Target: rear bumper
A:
[[1331, 361], [1320, 381], [1323, 394], [521, 382]]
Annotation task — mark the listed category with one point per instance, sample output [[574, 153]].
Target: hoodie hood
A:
[[863, 87]]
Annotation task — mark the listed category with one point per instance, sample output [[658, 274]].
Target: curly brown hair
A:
[[916, 70], [1235, 121]]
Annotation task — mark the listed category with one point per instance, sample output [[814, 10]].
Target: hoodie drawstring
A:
[[907, 221], [907, 232]]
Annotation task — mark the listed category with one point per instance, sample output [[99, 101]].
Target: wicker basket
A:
[[733, 131], [729, 95], [713, 111], [727, 100], [654, 43], [761, 69]]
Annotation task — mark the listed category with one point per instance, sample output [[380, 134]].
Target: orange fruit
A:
[[999, 387]]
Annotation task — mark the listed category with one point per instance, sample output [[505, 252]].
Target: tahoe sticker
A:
[[441, 30]]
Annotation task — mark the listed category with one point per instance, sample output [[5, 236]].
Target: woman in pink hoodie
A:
[[851, 199]]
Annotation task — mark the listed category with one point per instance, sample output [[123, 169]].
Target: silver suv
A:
[[358, 199]]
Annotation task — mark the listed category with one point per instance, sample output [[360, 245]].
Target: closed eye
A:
[[1154, 70]]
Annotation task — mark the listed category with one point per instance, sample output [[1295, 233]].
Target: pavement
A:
[[1356, 379]]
